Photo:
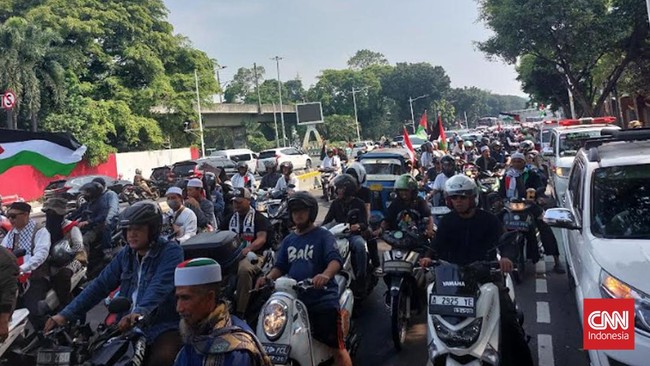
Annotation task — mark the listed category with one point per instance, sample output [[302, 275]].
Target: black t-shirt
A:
[[463, 241], [486, 164], [395, 214], [269, 180], [364, 194], [339, 212], [261, 224]]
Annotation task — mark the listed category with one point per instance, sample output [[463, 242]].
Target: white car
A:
[[298, 157], [239, 155], [364, 146], [565, 142], [607, 244]]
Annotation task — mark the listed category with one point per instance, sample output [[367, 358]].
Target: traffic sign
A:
[[8, 100]]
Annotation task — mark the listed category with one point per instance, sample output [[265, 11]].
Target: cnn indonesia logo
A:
[[608, 324]]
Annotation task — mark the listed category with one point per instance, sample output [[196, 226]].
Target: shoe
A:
[[559, 269]]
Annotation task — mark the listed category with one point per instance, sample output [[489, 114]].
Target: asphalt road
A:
[[551, 321]]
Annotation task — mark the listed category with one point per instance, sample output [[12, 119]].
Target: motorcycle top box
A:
[[222, 246]]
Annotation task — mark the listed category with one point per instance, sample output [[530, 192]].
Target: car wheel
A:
[[308, 164]]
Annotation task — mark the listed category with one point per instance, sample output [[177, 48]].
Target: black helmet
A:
[[301, 200], [242, 164], [142, 213], [100, 180], [527, 146], [91, 190], [288, 164], [270, 164], [346, 182]]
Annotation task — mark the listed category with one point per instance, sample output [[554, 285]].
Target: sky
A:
[[313, 35]]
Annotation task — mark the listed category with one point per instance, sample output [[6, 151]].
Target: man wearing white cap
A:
[[486, 163], [203, 208], [183, 220], [211, 336]]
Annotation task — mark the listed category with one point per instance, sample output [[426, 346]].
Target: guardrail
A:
[[309, 180]]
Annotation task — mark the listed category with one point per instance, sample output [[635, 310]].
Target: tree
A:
[[540, 80], [575, 38], [296, 93], [338, 128], [366, 58], [243, 84]]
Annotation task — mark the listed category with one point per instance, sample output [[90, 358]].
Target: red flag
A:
[[442, 144], [409, 146]]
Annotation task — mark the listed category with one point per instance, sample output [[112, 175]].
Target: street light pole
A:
[[198, 106], [284, 134], [411, 100], [219, 67], [356, 117]]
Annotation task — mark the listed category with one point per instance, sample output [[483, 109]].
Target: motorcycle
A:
[[275, 207], [326, 178], [400, 272], [463, 320], [132, 194], [19, 317], [283, 327], [488, 184]]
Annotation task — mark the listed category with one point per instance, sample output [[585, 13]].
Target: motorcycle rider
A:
[[358, 172], [142, 182], [35, 239], [211, 336], [407, 199], [346, 201], [331, 161], [8, 290], [270, 179], [254, 229], [288, 178], [60, 228], [112, 201], [469, 234], [311, 252], [183, 220], [448, 165], [243, 178], [93, 214], [514, 185], [486, 163], [144, 272], [202, 207], [426, 159], [498, 153]]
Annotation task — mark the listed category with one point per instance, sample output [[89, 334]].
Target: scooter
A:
[[283, 327], [326, 178], [19, 317], [463, 321]]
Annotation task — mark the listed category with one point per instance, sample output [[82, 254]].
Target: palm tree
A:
[[29, 66]]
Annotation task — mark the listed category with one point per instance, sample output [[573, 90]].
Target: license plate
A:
[[376, 187], [517, 225], [488, 181], [278, 353], [452, 305]]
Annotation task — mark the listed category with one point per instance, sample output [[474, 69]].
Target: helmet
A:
[[634, 124], [330, 150], [406, 181], [138, 171], [101, 181], [270, 164], [526, 146], [242, 164], [142, 213], [287, 164], [91, 190], [496, 144], [301, 200], [358, 171], [485, 141], [460, 185], [346, 182], [468, 144]]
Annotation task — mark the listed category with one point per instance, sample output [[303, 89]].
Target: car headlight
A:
[[562, 172], [275, 319], [464, 337], [611, 287]]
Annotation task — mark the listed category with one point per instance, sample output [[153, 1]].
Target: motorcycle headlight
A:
[[611, 287], [464, 337], [275, 319]]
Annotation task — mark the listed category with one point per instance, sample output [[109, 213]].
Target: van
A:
[[239, 155]]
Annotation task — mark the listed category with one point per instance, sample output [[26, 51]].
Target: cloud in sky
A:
[[312, 35]]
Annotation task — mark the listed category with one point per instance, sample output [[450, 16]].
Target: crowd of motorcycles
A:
[[462, 309]]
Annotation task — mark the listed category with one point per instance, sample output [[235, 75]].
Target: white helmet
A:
[[358, 171], [461, 185]]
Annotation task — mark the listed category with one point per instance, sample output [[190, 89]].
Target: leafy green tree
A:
[[338, 128], [366, 58], [242, 85], [296, 93], [540, 79], [575, 38]]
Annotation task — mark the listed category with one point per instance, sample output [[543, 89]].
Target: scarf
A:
[[25, 237], [215, 336], [249, 226], [54, 225], [511, 183]]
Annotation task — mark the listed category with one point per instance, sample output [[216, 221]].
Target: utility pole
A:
[[198, 106], [356, 117], [257, 87], [411, 100], [219, 67], [275, 122], [284, 134]]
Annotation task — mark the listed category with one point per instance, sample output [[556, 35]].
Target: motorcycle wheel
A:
[[326, 195], [398, 319], [518, 275]]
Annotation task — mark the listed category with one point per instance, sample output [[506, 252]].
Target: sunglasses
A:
[[13, 216], [455, 198]]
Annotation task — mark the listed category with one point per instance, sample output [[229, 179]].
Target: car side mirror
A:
[[561, 218]]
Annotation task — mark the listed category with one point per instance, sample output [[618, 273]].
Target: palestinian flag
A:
[[438, 134], [49, 153], [422, 128], [409, 145]]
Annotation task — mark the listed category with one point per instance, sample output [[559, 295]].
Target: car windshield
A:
[[267, 154], [382, 166], [78, 182], [546, 136], [184, 169], [571, 142], [621, 202]]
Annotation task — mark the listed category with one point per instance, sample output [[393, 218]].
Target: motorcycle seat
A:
[[342, 284]]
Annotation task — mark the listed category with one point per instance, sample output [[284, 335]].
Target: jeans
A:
[[38, 288], [246, 273], [359, 256]]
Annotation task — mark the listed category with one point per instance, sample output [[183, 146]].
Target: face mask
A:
[[173, 204]]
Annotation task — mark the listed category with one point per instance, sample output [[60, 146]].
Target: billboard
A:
[[309, 113]]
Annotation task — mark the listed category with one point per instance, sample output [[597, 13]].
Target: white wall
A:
[[127, 163]]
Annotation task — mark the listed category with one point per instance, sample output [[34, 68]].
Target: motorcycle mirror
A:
[[291, 186], [119, 305]]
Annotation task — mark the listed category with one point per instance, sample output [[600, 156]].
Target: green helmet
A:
[[406, 181]]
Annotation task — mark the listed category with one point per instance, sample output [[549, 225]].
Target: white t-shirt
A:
[[426, 160], [439, 183], [282, 183], [239, 181], [333, 162], [187, 221]]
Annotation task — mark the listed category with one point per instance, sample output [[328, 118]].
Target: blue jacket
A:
[[188, 356], [112, 201], [99, 211], [156, 288]]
